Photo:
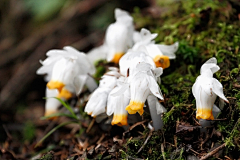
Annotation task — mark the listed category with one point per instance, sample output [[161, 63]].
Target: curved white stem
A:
[[156, 118]]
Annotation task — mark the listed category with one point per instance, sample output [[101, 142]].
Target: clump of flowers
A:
[[206, 89], [122, 90], [67, 71]]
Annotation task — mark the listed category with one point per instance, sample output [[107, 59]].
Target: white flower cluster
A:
[[124, 90], [139, 72]]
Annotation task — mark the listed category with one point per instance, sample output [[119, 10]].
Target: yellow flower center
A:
[[120, 119], [64, 93], [135, 106], [117, 57], [55, 85], [162, 61], [204, 113]]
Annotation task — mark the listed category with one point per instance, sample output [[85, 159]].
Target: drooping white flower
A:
[[158, 52], [143, 82], [98, 100], [117, 103], [67, 71], [118, 39], [206, 89]]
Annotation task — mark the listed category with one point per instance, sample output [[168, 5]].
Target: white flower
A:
[[143, 82], [118, 39], [117, 103], [159, 53], [98, 100], [206, 89], [67, 71]]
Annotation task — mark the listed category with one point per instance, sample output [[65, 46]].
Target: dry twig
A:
[[145, 142], [210, 154]]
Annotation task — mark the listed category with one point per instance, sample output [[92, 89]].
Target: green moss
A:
[[204, 29]]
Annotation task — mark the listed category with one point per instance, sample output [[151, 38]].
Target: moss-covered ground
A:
[[204, 29]]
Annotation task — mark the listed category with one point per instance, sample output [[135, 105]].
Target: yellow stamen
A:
[[162, 61], [120, 119], [49, 112], [117, 57], [204, 113], [55, 85], [135, 106], [64, 94]]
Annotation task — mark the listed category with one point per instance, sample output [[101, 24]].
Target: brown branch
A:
[[210, 154]]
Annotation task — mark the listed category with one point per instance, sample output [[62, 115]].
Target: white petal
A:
[[97, 53], [143, 66], [97, 102], [120, 90], [155, 88], [169, 50], [160, 108], [56, 52], [213, 67], [136, 36], [79, 82], [158, 72], [218, 89], [153, 50], [146, 35], [211, 60]]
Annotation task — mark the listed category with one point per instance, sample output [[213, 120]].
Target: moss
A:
[[151, 149], [204, 29]]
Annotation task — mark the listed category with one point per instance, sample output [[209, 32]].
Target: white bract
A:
[[158, 52], [118, 39], [206, 89], [98, 100]]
